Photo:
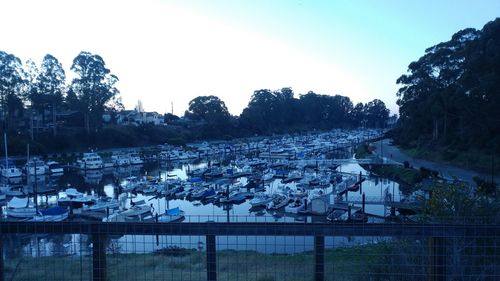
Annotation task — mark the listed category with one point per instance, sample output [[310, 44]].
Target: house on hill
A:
[[134, 117]]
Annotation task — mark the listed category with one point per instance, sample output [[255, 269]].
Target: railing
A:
[[401, 252]]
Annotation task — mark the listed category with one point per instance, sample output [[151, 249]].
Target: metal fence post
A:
[[1, 258], [319, 258], [211, 258], [99, 257], [437, 259]]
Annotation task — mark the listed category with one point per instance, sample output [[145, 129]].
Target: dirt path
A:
[[387, 150]]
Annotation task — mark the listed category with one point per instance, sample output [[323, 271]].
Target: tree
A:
[[12, 85], [376, 113], [209, 109], [258, 115], [92, 89], [50, 88], [358, 117]]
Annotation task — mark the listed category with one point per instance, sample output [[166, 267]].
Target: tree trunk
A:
[[54, 120], [435, 131], [87, 123]]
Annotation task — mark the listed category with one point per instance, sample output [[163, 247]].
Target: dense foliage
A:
[[32, 97], [450, 96]]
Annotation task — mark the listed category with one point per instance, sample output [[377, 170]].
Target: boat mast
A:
[[5, 145]]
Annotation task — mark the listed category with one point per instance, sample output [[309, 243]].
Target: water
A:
[[104, 183]]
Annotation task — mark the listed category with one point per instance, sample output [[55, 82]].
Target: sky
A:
[[169, 52]]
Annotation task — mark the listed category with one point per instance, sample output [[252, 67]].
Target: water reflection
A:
[[105, 184]]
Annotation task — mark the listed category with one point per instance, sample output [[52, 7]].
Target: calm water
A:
[[104, 183]]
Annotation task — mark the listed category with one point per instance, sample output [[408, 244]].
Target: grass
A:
[[397, 259], [363, 151], [352, 263], [472, 159]]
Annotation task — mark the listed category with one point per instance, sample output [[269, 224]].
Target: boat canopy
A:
[[173, 212], [17, 202]]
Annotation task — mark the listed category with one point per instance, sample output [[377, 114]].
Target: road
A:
[[387, 150]]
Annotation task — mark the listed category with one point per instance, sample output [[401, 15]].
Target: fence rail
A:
[[437, 235]]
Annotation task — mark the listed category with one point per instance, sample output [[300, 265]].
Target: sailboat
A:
[[9, 170]]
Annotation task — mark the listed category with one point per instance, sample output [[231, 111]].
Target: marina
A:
[[235, 185]]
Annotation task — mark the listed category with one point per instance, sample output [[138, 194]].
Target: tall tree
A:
[[12, 85], [450, 95], [50, 88], [258, 115], [214, 114], [376, 113], [93, 88], [210, 109]]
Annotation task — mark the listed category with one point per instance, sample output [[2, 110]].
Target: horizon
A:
[[229, 49]]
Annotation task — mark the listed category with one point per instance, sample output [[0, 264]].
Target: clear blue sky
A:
[[173, 51]]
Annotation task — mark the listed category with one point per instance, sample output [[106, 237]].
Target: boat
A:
[[135, 158], [10, 191], [235, 197], [19, 208], [134, 213], [104, 204], [72, 192], [203, 193], [76, 202], [268, 176], [35, 167], [120, 159], [295, 207], [9, 170], [260, 199], [172, 215], [90, 161], [52, 214], [279, 201], [55, 168]]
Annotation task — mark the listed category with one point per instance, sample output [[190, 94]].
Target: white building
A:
[[133, 117]]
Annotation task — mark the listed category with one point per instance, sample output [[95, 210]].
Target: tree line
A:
[[449, 98], [31, 92], [279, 111]]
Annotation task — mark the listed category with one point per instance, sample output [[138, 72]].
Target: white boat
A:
[[90, 161], [18, 208], [9, 170], [35, 167], [103, 205], [260, 199], [171, 215], [10, 191], [55, 168], [135, 158], [120, 160], [268, 176], [72, 192], [295, 206], [279, 201], [134, 213]]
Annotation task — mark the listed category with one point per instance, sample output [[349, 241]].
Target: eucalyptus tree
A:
[[376, 114], [213, 114], [93, 89], [258, 115], [450, 96], [12, 85], [45, 88]]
